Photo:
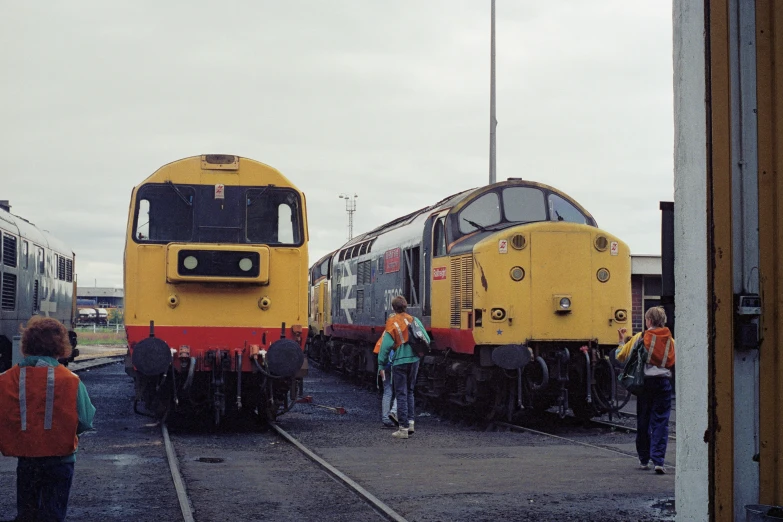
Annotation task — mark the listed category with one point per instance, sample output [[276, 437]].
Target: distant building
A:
[[101, 297], [645, 287]]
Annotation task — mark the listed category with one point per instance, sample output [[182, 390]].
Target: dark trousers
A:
[[404, 379], [653, 407], [42, 489]]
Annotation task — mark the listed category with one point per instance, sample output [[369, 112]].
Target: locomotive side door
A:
[[436, 278]]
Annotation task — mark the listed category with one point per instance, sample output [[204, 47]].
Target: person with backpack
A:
[[654, 402], [44, 409], [388, 401], [405, 365]]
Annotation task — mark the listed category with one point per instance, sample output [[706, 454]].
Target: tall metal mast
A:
[[493, 123], [350, 208]]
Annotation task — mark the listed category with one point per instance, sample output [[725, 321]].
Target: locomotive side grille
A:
[[461, 288], [8, 293], [467, 283], [9, 251], [69, 270], [456, 292], [35, 297], [61, 268], [363, 273], [360, 300]]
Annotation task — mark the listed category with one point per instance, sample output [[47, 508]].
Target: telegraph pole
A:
[[350, 207], [493, 123]]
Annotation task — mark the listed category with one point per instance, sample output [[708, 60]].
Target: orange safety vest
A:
[[39, 412], [660, 347], [397, 327]]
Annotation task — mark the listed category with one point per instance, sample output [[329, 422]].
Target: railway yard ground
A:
[[450, 470]]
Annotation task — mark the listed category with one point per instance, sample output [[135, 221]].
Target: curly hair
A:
[[45, 336]]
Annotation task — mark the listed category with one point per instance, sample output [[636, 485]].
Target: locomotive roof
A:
[[27, 230], [453, 201], [446, 202]]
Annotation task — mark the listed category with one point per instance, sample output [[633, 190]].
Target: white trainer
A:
[[402, 433]]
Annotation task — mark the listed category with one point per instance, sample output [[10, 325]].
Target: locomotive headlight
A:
[[620, 316], [602, 275], [517, 273], [245, 264], [561, 304], [518, 241], [190, 262], [601, 243]]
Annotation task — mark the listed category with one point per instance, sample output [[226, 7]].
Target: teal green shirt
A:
[[83, 404], [402, 355]]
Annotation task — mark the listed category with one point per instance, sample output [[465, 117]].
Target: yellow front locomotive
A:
[[215, 287], [521, 292]]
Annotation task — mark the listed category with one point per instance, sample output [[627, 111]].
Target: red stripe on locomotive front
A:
[[203, 338], [460, 341]]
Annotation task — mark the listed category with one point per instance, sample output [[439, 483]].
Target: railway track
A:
[[78, 366], [621, 427], [179, 483], [602, 447], [186, 507]]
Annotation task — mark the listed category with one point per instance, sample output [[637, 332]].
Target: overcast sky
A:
[[385, 99]]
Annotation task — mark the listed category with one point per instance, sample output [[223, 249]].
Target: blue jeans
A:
[[43, 486], [388, 401], [404, 382], [653, 407]]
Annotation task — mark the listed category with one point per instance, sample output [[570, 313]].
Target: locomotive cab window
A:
[[273, 217], [562, 210], [483, 212], [524, 204], [164, 213], [325, 268], [439, 238]]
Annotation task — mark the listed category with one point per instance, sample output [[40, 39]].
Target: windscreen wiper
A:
[[260, 193], [474, 224], [181, 196]]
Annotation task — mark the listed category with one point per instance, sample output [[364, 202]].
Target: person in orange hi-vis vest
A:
[[405, 364], [44, 408], [654, 404]]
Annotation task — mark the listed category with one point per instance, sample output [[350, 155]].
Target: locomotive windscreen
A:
[[509, 206], [193, 213]]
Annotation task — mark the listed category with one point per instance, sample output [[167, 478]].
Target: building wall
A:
[[637, 313], [692, 484]]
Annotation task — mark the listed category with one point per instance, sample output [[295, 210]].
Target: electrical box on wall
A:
[[746, 332]]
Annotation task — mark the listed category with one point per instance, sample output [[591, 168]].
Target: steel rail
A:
[[381, 508], [97, 362], [594, 446], [531, 430], [612, 450], [628, 429], [179, 485]]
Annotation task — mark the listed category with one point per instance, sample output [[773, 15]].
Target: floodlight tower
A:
[[493, 122], [350, 207]]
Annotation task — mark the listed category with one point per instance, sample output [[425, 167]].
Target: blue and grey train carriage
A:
[[36, 278]]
